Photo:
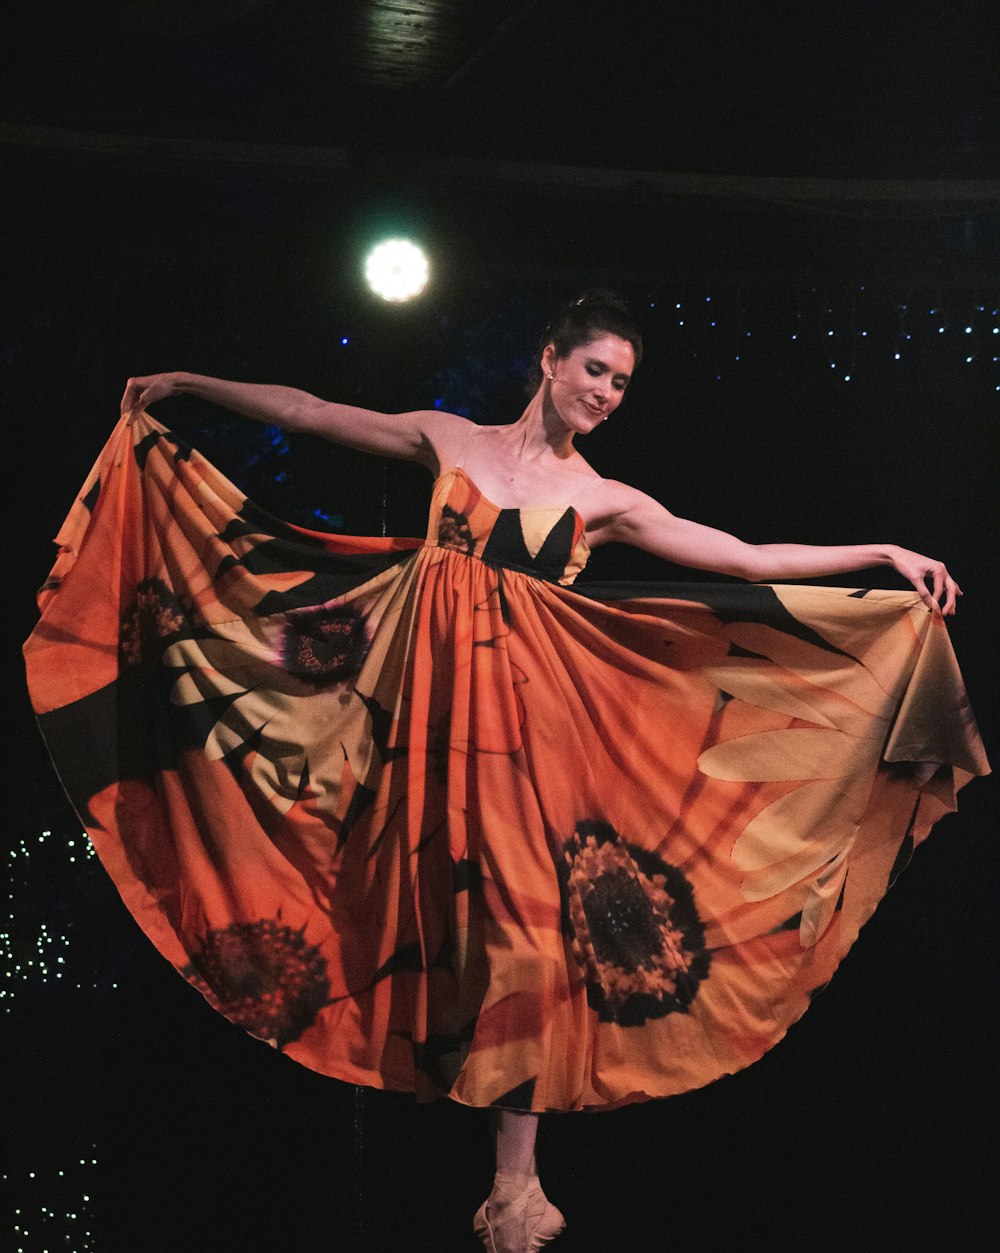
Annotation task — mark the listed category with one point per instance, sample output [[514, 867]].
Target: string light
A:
[[56, 1207], [854, 330], [37, 952]]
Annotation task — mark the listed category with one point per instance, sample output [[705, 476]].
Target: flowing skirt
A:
[[429, 825]]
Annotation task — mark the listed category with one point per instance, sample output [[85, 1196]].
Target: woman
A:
[[426, 819]]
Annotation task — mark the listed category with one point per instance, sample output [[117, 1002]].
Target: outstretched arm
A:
[[425, 435], [632, 517]]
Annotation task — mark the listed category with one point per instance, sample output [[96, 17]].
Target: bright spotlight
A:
[[396, 270]]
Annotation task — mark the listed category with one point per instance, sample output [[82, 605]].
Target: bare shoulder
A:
[[611, 510], [444, 436], [612, 498]]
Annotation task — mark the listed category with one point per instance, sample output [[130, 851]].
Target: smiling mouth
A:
[[594, 409]]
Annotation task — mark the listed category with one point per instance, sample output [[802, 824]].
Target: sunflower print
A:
[[427, 815]]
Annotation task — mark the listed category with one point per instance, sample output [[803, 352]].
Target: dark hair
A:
[[585, 319]]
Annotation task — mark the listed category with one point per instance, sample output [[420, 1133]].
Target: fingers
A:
[[923, 591], [943, 590], [130, 399], [140, 393], [937, 574]]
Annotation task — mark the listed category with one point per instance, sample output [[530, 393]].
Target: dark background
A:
[[193, 187]]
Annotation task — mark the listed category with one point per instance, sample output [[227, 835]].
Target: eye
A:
[[595, 369]]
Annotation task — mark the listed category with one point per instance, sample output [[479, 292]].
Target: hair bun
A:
[[601, 296]]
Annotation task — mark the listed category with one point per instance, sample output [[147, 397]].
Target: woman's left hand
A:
[[931, 579]]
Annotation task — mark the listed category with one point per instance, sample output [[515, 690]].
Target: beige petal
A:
[[816, 665], [821, 904], [756, 683], [814, 817], [797, 753]]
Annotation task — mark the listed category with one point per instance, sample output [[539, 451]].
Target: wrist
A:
[[183, 383]]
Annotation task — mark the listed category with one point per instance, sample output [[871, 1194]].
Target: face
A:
[[589, 382]]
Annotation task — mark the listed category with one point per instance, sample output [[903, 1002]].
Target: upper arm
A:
[[629, 516], [428, 436]]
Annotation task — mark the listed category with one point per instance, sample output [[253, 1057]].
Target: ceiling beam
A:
[[864, 196]]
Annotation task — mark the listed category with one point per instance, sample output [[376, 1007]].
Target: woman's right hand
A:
[[142, 392]]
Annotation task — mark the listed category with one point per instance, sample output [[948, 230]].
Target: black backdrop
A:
[[869, 1124]]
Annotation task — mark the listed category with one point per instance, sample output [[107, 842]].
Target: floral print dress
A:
[[424, 817]]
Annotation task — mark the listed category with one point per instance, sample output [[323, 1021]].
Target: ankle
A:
[[514, 1175]]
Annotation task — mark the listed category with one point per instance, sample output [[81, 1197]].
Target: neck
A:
[[540, 431]]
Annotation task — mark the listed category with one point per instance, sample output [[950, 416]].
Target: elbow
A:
[[298, 416], [748, 564]]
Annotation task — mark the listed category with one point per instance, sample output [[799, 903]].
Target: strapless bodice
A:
[[548, 543]]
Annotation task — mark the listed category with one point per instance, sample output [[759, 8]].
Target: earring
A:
[[605, 418], [550, 375]]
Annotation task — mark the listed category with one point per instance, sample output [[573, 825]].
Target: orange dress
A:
[[425, 818]]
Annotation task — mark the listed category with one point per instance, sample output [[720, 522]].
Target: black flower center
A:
[[325, 646], [263, 976], [633, 925], [622, 925], [154, 616]]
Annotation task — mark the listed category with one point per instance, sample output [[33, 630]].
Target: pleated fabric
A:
[[424, 817]]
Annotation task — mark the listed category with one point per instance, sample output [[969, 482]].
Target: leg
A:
[[514, 1135], [516, 1217]]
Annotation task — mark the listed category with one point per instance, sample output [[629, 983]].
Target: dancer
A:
[[425, 817]]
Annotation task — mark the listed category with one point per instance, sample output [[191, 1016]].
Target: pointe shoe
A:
[[517, 1216]]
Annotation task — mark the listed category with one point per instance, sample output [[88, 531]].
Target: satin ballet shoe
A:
[[521, 1218]]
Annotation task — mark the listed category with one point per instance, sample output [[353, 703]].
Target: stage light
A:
[[397, 270]]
